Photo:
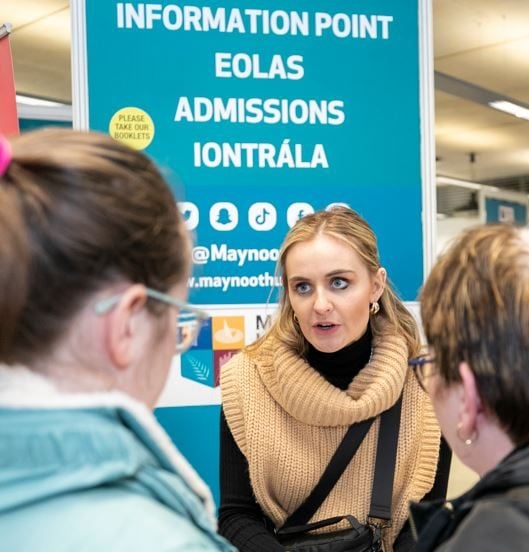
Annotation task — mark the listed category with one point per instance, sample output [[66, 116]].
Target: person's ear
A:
[[471, 405], [123, 326], [379, 283]]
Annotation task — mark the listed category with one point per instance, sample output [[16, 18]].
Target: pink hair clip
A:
[[5, 155]]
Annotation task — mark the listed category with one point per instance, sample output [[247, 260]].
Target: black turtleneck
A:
[[340, 367]]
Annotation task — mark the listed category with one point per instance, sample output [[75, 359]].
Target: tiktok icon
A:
[[262, 216]]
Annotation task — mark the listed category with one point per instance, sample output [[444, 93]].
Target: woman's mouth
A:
[[324, 326]]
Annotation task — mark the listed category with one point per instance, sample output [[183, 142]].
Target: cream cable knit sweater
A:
[[288, 421]]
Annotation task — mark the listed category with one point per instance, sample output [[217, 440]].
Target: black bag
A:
[[357, 538], [295, 534]]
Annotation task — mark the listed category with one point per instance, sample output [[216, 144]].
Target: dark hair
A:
[[349, 227], [475, 308], [78, 211]]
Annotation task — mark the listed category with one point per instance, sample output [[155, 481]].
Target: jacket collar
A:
[[21, 388], [435, 521]]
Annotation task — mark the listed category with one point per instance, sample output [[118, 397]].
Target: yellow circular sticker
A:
[[132, 126]]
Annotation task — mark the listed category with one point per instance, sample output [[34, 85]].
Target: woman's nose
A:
[[322, 303]]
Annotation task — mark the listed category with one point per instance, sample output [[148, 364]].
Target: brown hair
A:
[[78, 210], [475, 308], [346, 226]]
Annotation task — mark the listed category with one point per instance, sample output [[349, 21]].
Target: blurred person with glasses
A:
[[189, 319], [423, 368], [94, 262], [475, 311]]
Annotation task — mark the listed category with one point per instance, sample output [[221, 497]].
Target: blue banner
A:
[[261, 112], [503, 210]]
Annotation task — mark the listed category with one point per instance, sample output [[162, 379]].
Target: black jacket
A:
[[492, 517]]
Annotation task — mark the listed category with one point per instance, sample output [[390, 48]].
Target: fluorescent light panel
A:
[[511, 108], [28, 100], [469, 91], [449, 181]]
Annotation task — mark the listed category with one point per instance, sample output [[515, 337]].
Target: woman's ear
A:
[[122, 326], [379, 283], [471, 405]]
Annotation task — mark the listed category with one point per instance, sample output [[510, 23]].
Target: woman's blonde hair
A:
[[345, 225]]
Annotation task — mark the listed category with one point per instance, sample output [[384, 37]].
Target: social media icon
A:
[[262, 216], [298, 210], [337, 204], [223, 216], [200, 254], [190, 214]]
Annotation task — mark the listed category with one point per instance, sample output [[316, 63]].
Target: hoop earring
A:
[[295, 318], [469, 440], [374, 308]]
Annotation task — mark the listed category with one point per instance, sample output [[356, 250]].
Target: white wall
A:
[[450, 227]]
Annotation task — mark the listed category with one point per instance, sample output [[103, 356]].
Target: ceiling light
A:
[[448, 181], [511, 108], [28, 100], [469, 91]]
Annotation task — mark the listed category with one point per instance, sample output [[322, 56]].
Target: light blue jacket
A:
[[97, 478]]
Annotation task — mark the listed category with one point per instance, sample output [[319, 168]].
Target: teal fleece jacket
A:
[[94, 472]]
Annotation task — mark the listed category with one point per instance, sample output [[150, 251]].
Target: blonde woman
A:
[[336, 355]]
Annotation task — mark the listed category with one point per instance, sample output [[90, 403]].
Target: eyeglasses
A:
[[422, 367], [190, 319]]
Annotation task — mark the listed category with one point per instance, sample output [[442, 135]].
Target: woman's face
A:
[[457, 407], [330, 290], [161, 350], [446, 402]]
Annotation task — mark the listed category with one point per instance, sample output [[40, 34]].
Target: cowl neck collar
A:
[[307, 396]]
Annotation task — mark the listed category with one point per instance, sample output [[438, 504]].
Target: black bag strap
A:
[[386, 457], [388, 437], [346, 450], [295, 530]]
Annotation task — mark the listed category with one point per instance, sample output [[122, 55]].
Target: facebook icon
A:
[[296, 211]]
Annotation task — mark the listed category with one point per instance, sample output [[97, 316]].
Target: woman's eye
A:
[[302, 288], [339, 283]]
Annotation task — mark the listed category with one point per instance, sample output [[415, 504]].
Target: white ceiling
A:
[[486, 43], [482, 42], [40, 42]]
